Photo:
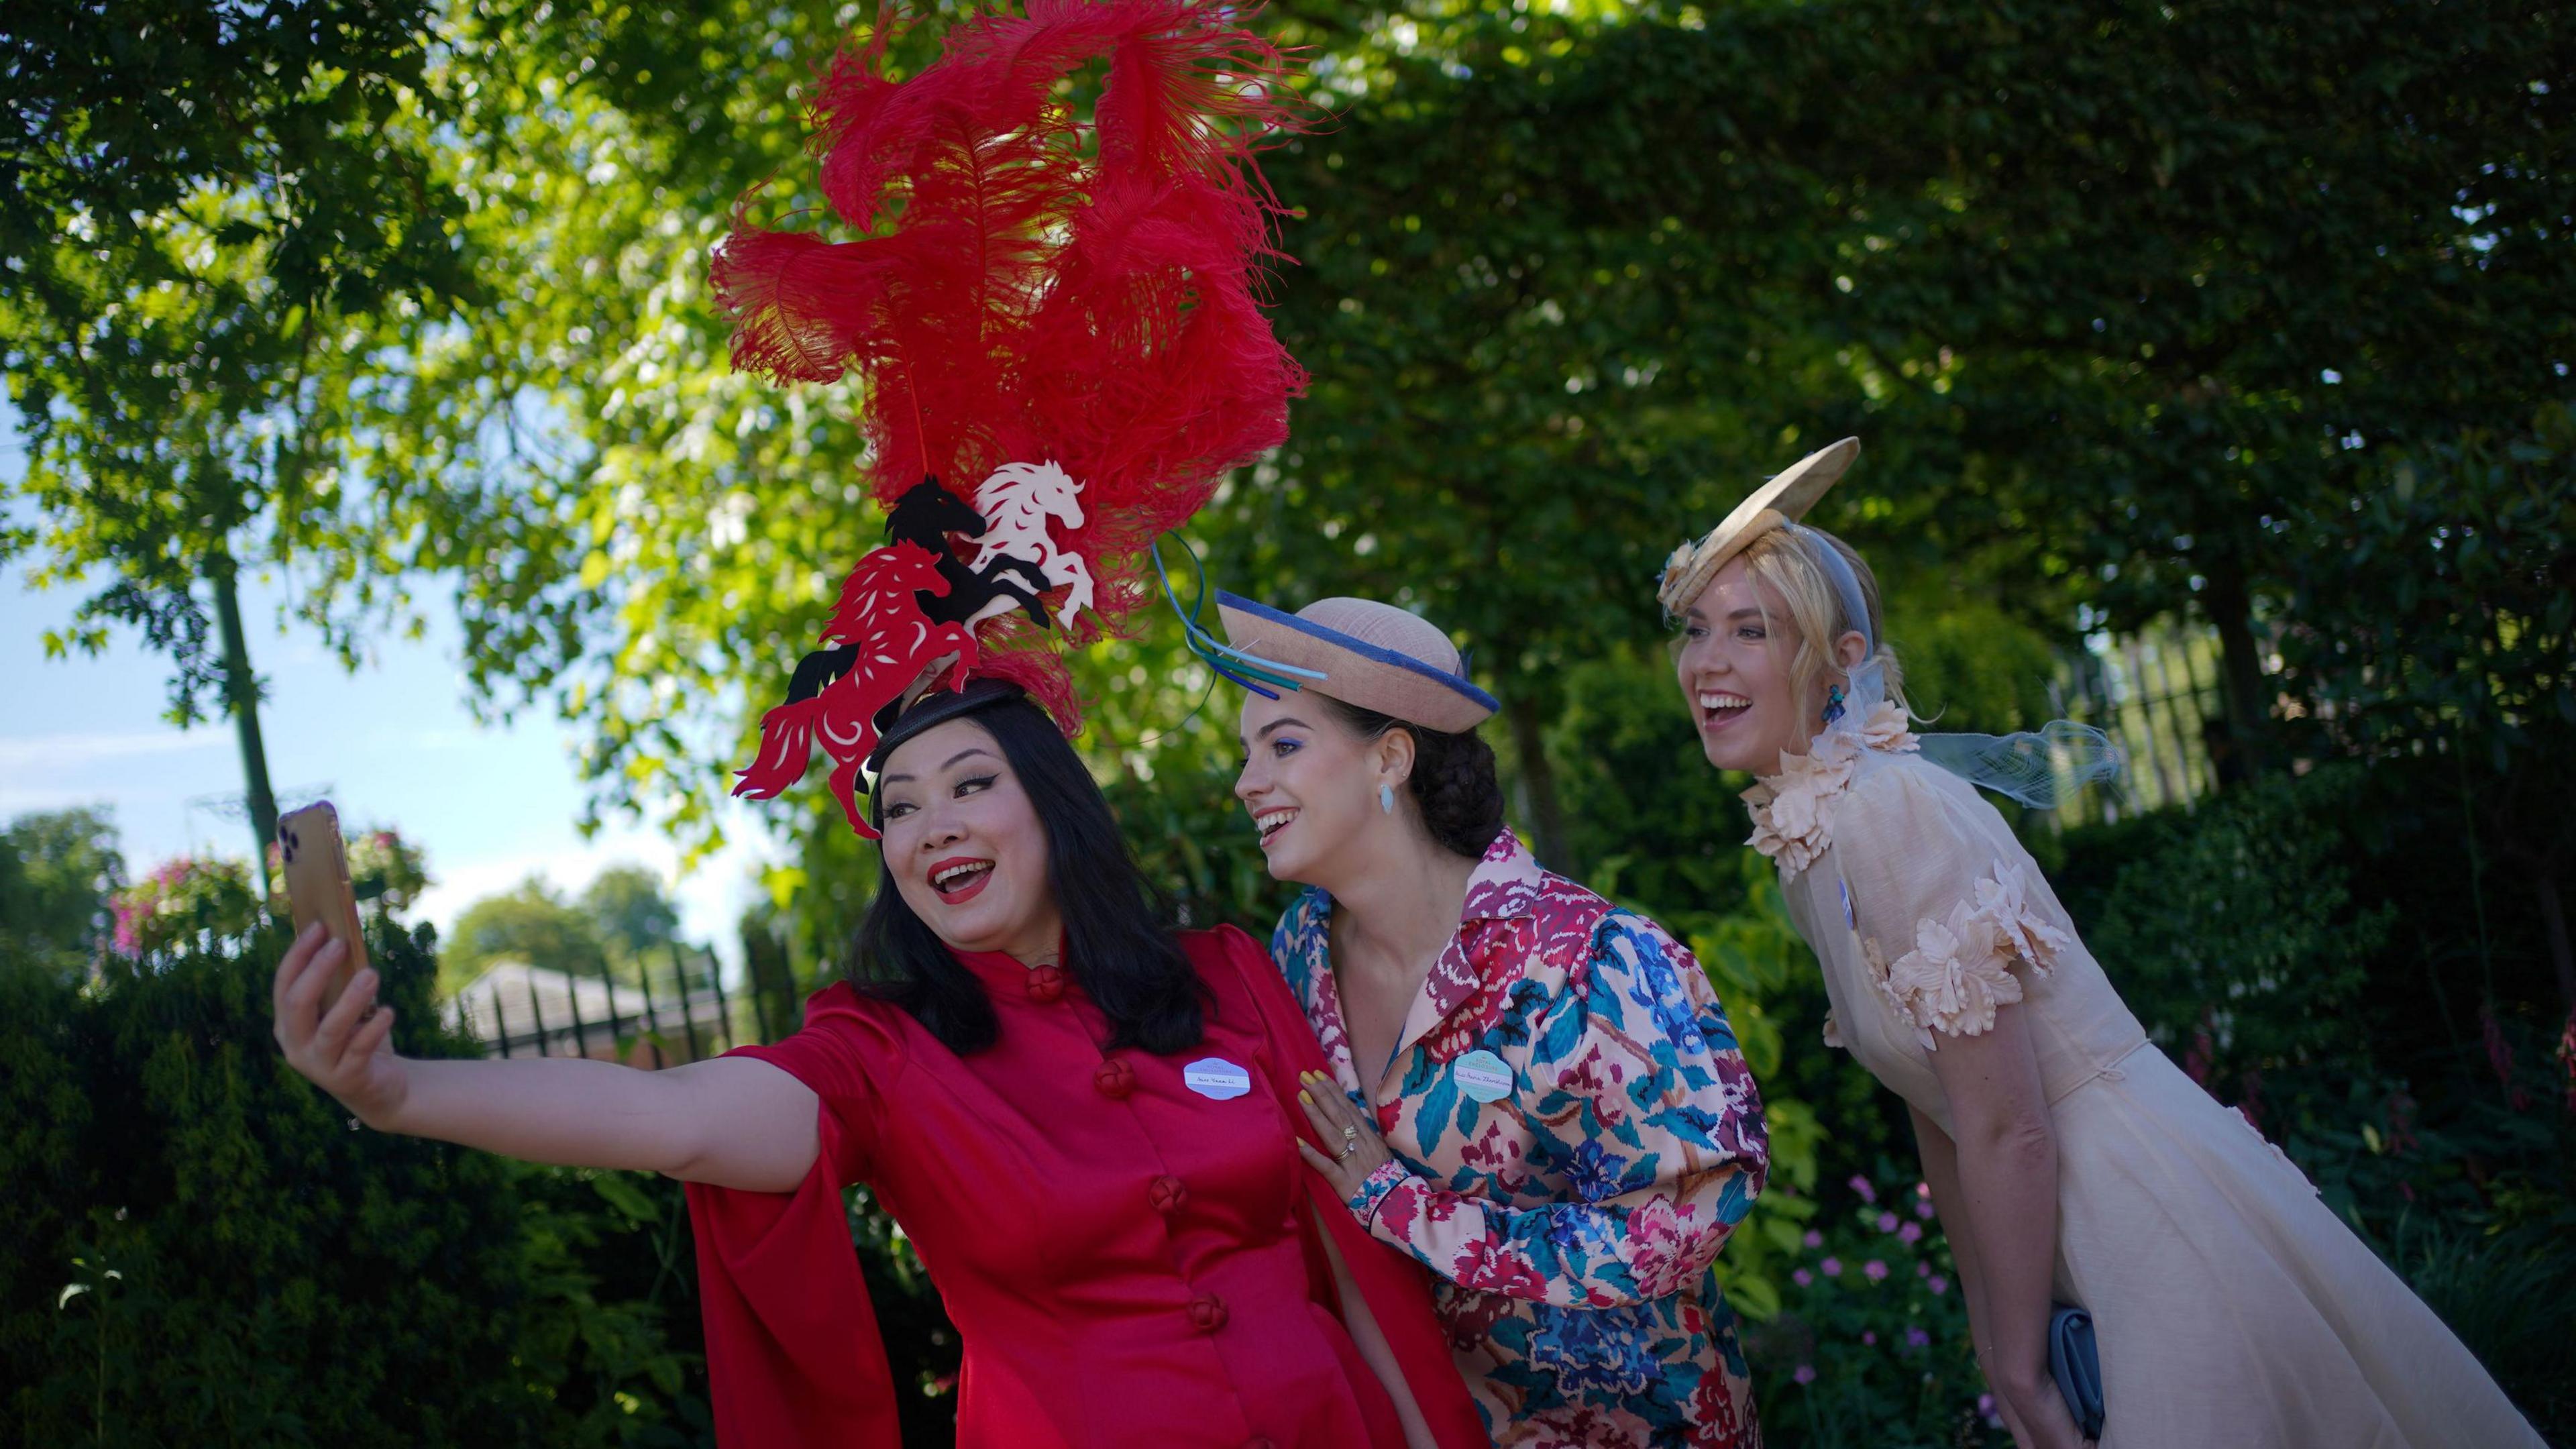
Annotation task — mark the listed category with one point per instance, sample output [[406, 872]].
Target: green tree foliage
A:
[[531, 922], [58, 871], [632, 915], [2108, 292], [212, 211], [202, 1250]]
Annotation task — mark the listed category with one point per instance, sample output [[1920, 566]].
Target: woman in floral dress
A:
[[2070, 1161], [1537, 1093]]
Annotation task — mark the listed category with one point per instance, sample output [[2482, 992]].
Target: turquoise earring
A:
[[1833, 704], [1386, 798]]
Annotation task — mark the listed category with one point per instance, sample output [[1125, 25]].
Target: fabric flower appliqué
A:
[[1793, 811], [1960, 968]]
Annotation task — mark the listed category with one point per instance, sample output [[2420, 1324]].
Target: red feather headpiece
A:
[[1058, 330]]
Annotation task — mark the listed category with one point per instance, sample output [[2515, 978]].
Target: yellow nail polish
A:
[[1302, 1097]]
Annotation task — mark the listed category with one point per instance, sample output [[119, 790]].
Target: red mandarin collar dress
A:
[[1126, 1242]]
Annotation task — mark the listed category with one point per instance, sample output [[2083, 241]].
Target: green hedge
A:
[[203, 1249]]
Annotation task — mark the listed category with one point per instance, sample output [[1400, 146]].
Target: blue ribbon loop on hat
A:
[[1228, 662]]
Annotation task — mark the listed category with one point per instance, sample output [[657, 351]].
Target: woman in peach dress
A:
[[2069, 1159]]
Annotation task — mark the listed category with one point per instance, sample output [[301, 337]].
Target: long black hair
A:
[[1118, 942], [1453, 778]]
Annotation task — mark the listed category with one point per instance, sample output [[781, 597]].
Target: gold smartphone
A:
[[318, 889]]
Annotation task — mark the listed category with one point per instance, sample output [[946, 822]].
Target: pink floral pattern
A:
[[1571, 1223]]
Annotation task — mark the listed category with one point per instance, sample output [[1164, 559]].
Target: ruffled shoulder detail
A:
[[1793, 811], [1960, 969]]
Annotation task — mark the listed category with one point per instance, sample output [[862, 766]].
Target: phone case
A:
[[318, 888]]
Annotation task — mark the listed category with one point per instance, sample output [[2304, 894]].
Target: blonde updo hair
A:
[[1793, 563]]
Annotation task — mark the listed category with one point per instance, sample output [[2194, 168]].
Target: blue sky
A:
[[393, 742]]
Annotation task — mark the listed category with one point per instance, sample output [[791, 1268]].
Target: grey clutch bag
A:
[[2077, 1366]]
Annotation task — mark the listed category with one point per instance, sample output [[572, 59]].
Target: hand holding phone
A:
[[324, 996], [346, 1050]]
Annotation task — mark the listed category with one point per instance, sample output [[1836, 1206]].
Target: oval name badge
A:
[[1482, 1076], [1216, 1078]]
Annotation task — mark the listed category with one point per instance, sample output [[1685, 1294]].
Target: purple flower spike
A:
[[1874, 1270], [1939, 1285], [1806, 1373], [1802, 1277], [1861, 1185], [1887, 1222], [1814, 1239], [1833, 1267], [1910, 1233]]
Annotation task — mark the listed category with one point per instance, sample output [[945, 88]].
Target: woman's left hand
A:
[[1345, 1129]]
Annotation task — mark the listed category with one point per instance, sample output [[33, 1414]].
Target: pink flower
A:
[[1939, 1285], [1874, 1270], [1667, 1249], [1887, 1222], [1833, 1267], [1806, 1373], [1910, 1233], [1861, 1185], [1986, 1407]]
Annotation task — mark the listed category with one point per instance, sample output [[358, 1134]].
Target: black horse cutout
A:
[[929, 515]]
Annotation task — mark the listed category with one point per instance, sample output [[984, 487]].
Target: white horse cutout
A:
[[1017, 501]]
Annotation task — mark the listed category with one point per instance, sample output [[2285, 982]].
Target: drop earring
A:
[[1386, 799], [1833, 703]]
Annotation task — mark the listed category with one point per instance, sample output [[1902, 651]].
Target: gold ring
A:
[[1345, 1154]]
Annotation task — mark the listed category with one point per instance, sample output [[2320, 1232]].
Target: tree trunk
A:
[[2249, 714], [241, 693], [1547, 817]]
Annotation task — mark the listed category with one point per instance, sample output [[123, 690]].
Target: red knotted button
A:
[[1168, 1193], [1114, 1078], [1207, 1313], [1046, 983]]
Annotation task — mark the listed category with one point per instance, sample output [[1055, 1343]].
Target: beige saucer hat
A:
[[1776, 504], [1373, 655]]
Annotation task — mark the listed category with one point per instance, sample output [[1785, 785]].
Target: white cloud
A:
[[22, 756]]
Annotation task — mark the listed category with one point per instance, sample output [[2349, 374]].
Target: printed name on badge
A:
[[1216, 1079], [1482, 1076]]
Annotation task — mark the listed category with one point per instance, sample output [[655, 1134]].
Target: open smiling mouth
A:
[[960, 880], [1270, 823], [1718, 708]]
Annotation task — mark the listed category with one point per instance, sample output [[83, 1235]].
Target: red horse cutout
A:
[[894, 643]]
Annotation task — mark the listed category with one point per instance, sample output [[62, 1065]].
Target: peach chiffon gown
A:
[[2230, 1305]]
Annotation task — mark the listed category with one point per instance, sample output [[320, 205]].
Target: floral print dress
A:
[[1574, 1134]]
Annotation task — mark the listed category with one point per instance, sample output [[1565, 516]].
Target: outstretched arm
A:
[[734, 1122]]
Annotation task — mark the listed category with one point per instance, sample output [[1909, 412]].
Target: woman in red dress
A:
[[1084, 1121]]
